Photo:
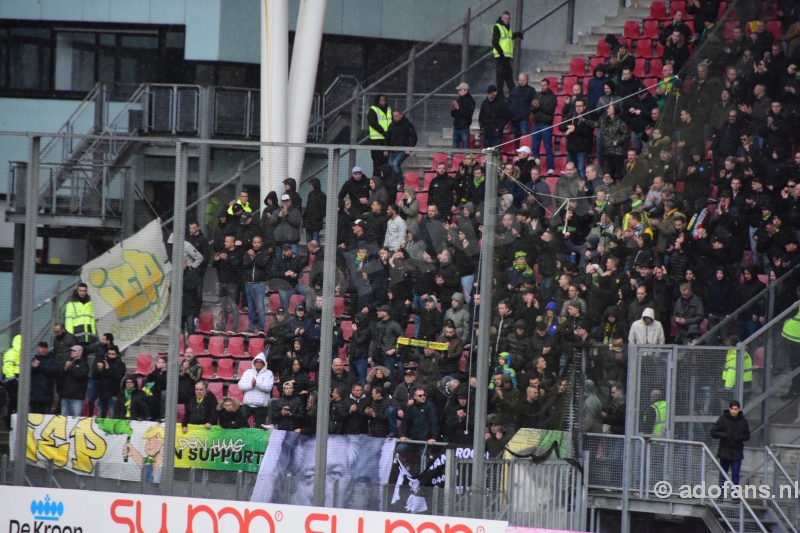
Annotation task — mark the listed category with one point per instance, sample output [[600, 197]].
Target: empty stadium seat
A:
[[422, 199], [244, 322], [655, 68], [678, 5], [294, 301], [426, 180], [577, 66], [274, 302], [207, 364], [255, 346], [411, 179], [206, 323], [602, 49], [631, 29], [196, 343], [143, 362], [650, 29], [439, 157], [338, 306], [553, 85], [225, 369], [729, 27], [567, 82], [658, 11], [644, 49], [236, 347], [234, 392], [774, 27], [216, 390], [594, 62], [638, 68], [216, 346], [457, 160], [347, 330], [243, 367]]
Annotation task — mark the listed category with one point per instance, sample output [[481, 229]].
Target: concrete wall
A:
[[590, 13]]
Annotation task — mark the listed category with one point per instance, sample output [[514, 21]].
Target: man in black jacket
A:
[[287, 268], [108, 371], [288, 411], [43, 374], [442, 190], [493, 117], [420, 423], [544, 109], [401, 133], [227, 264], [74, 374], [376, 412], [520, 100], [461, 110], [732, 430], [202, 409], [254, 268], [357, 187], [580, 134], [355, 422]]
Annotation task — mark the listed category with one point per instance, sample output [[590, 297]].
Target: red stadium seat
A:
[[426, 180], [627, 41], [412, 180], [338, 306], [644, 49], [181, 411], [236, 347], [255, 346], [651, 84], [243, 367], [347, 330], [585, 84], [594, 62], [410, 330], [182, 345], [216, 346], [234, 392], [143, 362], [560, 163], [658, 11], [631, 29], [207, 364], [650, 30], [244, 322], [422, 199], [551, 183], [225, 369], [659, 50], [577, 66], [567, 82], [457, 160], [294, 301], [655, 68], [216, 390], [678, 5], [206, 323], [638, 67], [774, 27], [274, 302], [439, 157], [721, 10], [729, 26], [196, 343], [553, 85], [766, 11], [747, 258], [602, 49]]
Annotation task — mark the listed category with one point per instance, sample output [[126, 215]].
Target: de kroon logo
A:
[[46, 513]]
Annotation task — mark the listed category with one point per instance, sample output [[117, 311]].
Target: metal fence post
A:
[[353, 126], [326, 339], [143, 481], [175, 325], [239, 485], [485, 322], [50, 473], [437, 493], [518, 40], [740, 373], [570, 21], [465, 45], [28, 274], [449, 481], [192, 473], [335, 493], [412, 56]]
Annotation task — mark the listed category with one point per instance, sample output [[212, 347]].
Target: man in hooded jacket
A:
[[256, 384]]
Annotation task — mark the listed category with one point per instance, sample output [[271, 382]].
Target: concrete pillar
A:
[[274, 83]]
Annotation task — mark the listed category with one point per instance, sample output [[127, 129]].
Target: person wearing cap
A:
[[524, 162], [493, 117], [461, 110], [242, 201], [544, 110], [430, 318], [520, 100], [357, 187], [287, 268], [379, 117], [387, 331], [285, 225], [497, 437], [73, 374]]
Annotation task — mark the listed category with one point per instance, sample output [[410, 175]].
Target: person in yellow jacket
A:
[[654, 421], [503, 51], [243, 200], [11, 373], [729, 372], [79, 316], [791, 332], [379, 118]]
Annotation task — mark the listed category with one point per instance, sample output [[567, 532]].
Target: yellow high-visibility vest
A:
[[384, 119], [729, 374], [79, 320], [506, 42]]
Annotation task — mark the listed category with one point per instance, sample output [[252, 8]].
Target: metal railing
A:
[[608, 464], [171, 109], [785, 506], [772, 300]]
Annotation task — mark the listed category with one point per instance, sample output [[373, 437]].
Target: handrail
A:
[[45, 302], [404, 64], [723, 473], [712, 332], [642, 481], [88, 98], [768, 455]]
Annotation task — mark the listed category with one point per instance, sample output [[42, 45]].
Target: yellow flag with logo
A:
[[129, 286]]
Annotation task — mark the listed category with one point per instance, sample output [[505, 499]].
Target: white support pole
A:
[[302, 78], [274, 80]]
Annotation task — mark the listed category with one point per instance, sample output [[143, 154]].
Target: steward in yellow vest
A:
[[503, 51], [379, 117], [79, 315]]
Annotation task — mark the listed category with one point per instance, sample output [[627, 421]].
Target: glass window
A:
[[138, 59], [29, 62], [75, 61], [3, 54], [107, 60]]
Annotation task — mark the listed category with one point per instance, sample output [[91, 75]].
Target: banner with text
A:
[[129, 286], [122, 449], [28, 509]]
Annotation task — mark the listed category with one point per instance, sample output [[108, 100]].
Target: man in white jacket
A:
[[256, 383], [395, 228], [646, 330]]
